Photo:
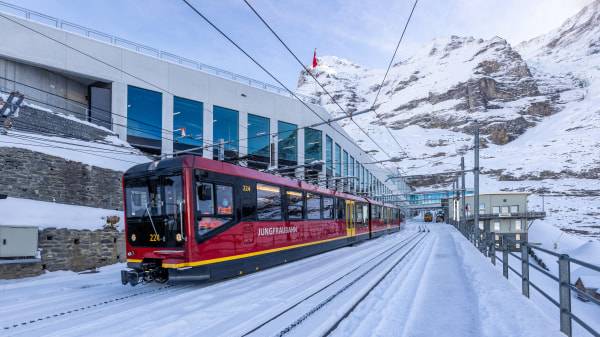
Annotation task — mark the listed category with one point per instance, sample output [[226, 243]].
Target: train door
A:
[[350, 225]]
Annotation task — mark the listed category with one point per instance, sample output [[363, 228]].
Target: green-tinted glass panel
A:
[[187, 124], [144, 118], [287, 145], [259, 129], [226, 129]]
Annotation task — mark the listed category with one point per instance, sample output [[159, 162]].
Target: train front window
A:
[[155, 211], [205, 203], [214, 205]]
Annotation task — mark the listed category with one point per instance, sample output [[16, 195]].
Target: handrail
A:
[[563, 281], [146, 50]]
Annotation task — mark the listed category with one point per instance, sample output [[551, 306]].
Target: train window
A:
[[327, 208], [268, 202], [341, 208], [359, 214], [205, 199], [224, 200], [207, 196], [295, 205], [173, 195], [313, 206]]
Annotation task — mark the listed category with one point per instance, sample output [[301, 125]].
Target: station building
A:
[[501, 214], [163, 103]]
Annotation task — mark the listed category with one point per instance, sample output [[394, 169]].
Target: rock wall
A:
[[77, 250], [69, 249], [43, 122], [20, 270], [34, 175]]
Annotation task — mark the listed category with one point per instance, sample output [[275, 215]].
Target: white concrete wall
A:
[[122, 67]]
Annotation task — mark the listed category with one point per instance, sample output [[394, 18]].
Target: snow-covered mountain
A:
[[537, 104]]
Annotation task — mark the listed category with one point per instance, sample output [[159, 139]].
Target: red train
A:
[[191, 218]]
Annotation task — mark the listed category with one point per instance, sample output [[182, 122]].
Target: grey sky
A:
[[363, 31]]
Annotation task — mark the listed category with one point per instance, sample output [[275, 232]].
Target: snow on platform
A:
[[444, 287], [50, 214]]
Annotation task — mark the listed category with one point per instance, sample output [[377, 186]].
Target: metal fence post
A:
[[525, 270], [504, 259], [564, 277], [493, 249]]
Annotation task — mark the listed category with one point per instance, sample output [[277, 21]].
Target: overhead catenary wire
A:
[[324, 121], [263, 68], [313, 76], [388, 70]]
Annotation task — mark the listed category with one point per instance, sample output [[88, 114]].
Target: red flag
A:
[[315, 63]]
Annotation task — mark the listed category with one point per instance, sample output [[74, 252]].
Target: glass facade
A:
[[259, 130], [338, 160], [226, 124], [313, 151], [345, 165], [144, 119], [328, 158], [351, 173], [287, 145], [187, 124]]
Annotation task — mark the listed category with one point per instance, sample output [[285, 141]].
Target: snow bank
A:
[[43, 214]]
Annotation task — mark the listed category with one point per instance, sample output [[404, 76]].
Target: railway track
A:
[[102, 303], [299, 312]]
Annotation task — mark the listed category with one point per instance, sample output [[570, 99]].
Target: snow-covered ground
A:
[[26, 212], [112, 153], [441, 287], [548, 236]]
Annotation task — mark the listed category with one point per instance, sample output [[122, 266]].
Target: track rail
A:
[[370, 289], [84, 307], [419, 236]]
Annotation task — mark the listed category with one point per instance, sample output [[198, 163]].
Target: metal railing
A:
[[143, 49], [488, 246]]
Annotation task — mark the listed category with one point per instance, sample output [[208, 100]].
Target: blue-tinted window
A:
[[351, 172], [144, 118], [313, 151], [287, 145], [258, 141], [187, 124], [329, 155], [338, 160], [226, 124], [328, 159]]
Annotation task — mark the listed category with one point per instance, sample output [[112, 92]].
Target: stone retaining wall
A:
[[70, 249], [20, 270], [34, 175], [77, 250]]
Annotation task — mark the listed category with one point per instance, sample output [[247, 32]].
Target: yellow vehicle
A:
[[428, 217]]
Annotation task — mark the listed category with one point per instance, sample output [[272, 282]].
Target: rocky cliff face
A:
[[448, 84], [536, 104]]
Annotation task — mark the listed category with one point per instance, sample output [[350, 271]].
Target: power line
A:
[[328, 122], [263, 68], [388, 70], [313, 76]]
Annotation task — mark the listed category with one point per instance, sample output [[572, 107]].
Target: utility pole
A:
[[476, 187], [463, 213]]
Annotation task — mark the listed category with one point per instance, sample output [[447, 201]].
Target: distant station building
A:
[[503, 216], [162, 103]]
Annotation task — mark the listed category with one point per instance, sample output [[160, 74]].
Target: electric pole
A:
[[476, 187], [462, 195]]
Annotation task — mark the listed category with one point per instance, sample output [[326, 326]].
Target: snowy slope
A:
[[538, 106], [444, 275]]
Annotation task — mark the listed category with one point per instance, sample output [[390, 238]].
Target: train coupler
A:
[[131, 276]]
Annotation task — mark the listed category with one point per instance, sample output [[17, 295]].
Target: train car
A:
[[428, 217], [385, 218], [192, 218], [439, 216]]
